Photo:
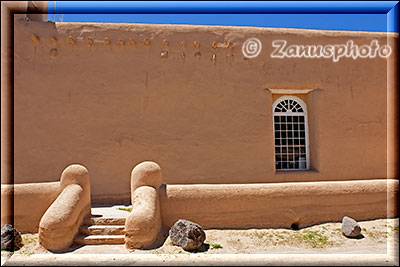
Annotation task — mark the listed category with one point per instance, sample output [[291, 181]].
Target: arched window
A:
[[290, 134]]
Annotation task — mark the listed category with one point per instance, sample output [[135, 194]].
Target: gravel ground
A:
[[378, 237]]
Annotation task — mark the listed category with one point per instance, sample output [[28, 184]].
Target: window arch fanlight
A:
[[291, 134]]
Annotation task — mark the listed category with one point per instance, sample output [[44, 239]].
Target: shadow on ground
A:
[[70, 249], [361, 236], [203, 248], [162, 236]]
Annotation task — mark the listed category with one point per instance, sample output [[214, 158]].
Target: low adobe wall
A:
[[241, 206], [238, 205], [278, 205], [30, 203]]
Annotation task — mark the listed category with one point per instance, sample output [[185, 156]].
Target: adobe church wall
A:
[[110, 107]]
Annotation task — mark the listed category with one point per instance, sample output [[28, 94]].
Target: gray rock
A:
[[350, 227], [187, 234], [10, 238]]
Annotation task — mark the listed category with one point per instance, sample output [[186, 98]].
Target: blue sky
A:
[[350, 22]]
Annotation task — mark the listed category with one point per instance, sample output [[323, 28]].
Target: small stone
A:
[[187, 234], [10, 238], [350, 227]]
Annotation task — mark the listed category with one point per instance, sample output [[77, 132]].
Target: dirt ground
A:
[[377, 237]]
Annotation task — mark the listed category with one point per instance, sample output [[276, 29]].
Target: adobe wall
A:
[[29, 203], [233, 206], [204, 122], [278, 205]]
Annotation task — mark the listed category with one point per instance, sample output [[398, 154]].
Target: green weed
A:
[[216, 246], [125, 209]]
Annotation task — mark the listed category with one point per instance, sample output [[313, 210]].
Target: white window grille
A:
[[290, 134]]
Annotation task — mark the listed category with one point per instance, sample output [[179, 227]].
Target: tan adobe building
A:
[[221, 125]]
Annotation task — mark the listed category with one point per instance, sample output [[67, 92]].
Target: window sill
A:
[[286, 91], [295, 172]]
